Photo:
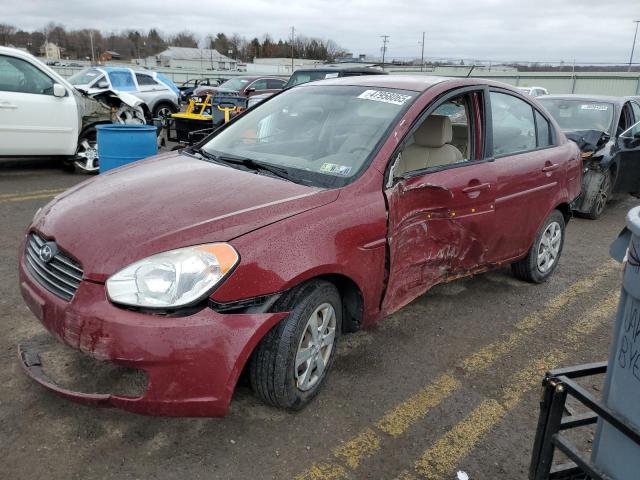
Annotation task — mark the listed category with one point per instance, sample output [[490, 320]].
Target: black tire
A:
[[158, 109], [527, 269], [602, 197], [272, 369]]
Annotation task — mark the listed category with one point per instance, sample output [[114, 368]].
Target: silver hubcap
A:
[[549, 247], [315, 347], [87, 156]]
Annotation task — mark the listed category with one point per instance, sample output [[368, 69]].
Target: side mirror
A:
[[102, 84], [59, 90], [250, 90]]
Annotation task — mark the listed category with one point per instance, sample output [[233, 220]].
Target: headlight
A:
[[172, 279]]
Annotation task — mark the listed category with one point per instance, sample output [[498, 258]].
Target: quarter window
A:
[[144, 80], [543, 131], [16, 75], [514, 128]]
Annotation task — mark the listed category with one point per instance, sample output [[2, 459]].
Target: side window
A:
[[16, 75], [514, 128], [275, 83], [636, 111], [122, 80], [260, 84], [543, 131], [626, 118], [145, 80], [445, 137]]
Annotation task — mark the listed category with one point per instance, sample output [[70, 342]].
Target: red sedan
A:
[[319, 212]]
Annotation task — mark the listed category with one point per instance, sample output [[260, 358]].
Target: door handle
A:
[[551, 167], [7, 105], [480, 187]]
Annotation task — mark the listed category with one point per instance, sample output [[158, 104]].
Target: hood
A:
[[588, 141], [166, 202]]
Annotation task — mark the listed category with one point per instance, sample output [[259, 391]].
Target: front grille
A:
[[61, 275]]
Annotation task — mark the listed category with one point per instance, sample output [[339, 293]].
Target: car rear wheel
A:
[[290, 364], [543, 256], [86, 158]]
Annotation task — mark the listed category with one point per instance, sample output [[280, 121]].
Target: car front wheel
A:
[[543, 256], [86, 158], [290, 364]]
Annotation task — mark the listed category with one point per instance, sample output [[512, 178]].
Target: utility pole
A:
[[633, 47], [93, 57], [422, 54], [385, 40], [293, 30]]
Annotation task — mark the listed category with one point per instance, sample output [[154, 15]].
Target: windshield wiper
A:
[[251, 164]]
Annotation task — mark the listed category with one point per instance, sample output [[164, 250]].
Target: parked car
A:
[[601, 126], [246, 86], [187, 88], [157, 91], [310, 74], [330, 206], [41, 114], [534, 91]]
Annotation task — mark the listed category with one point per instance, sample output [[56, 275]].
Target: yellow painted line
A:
[[53, 191], [397, 420], [362, 446], [25, 198], [486, 356], [444, 456], [324, 471], [403, 416]]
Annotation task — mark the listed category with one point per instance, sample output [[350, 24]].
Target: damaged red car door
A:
[[441, 212]]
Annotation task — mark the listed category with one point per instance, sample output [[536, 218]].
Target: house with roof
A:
[[192, 59]]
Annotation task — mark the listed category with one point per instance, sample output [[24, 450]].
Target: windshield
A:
[[574, 115], [85, 77], [323, 134], [235, 84]]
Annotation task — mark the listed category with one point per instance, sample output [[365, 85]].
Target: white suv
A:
[[41, 114]]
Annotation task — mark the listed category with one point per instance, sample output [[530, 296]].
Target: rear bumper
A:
[[192, 363]]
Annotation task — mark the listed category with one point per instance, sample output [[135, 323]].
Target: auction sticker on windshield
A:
[[595, 106], [386, 97], [342, 170]]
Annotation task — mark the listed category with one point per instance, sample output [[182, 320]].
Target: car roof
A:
[[338, 68], [589, 98], [416, 83]]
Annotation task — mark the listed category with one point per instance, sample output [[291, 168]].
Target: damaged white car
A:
[[41, 114]]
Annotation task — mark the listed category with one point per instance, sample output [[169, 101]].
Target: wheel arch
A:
[[350, 295], [565, 209]]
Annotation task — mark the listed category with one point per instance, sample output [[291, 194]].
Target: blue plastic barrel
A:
[[122, 144]]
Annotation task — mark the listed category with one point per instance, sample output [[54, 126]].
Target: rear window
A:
[[299, 78]]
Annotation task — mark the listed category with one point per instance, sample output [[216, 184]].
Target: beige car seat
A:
[[431, 146]]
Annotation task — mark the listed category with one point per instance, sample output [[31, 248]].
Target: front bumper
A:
[[192, 363]]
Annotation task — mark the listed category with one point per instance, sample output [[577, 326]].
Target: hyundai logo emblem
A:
[[47, 252]]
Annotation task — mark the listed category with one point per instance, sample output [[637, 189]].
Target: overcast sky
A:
[[535, 30]]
